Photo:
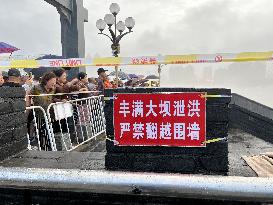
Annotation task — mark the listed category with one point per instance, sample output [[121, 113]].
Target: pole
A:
[[116, 47], [159, 73], [116, 69]]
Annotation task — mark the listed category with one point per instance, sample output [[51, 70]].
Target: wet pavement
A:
[[91, 156], [243, 144]]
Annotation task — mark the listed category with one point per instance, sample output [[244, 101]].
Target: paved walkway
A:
[[243, 144], [91, 157]]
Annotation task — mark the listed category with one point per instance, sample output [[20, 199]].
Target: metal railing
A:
[[76, 122], [67, 125], [230, 188]]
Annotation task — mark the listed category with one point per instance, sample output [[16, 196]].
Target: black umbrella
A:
[[121, 75], [132, 76], [152, 77], [38, 72]]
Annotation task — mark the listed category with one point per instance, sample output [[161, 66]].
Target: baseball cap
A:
[[14, 72], [101, 70]]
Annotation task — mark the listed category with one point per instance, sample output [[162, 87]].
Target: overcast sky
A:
[[162, 27], [167, 27]]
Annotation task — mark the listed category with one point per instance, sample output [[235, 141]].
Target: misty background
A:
[[166, 28]]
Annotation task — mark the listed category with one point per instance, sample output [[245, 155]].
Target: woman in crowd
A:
[[47, 86], [83, 110], [83, 84], [63, 86]]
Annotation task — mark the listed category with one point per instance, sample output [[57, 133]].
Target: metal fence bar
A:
[[84, 118], [47, 127], [51, 131], [96, 115], [102, 111], [67, 126], [28, 142], [80, 121], [36, 129], [91, 116], [75, 128]]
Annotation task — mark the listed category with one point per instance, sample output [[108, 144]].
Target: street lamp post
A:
[[110, 20], [159, 73]]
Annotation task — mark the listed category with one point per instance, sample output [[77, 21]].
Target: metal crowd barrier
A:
[[39, 136], [69, 124]]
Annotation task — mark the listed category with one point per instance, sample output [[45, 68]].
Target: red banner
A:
[[165, 119]]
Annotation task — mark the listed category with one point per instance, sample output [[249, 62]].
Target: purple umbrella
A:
[[6, 48]]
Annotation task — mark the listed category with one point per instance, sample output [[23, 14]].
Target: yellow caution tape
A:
[[215, 140], [215, 96], [140, 60], [108, 98], [115, 141]]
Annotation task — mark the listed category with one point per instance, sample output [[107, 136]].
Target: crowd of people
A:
[[56, 82], [53, 87]]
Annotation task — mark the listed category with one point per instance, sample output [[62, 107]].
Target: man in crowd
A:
[[103, 81], [14, 78], [92, 84]]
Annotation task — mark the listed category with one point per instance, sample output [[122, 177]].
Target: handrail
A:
[[153, 184]]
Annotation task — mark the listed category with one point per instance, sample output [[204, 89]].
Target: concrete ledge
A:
[[252, 106], [251, 117], [211, 149], [176, 163]]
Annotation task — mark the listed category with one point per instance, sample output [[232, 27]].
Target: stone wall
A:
[[13, 121], [213, 159]]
